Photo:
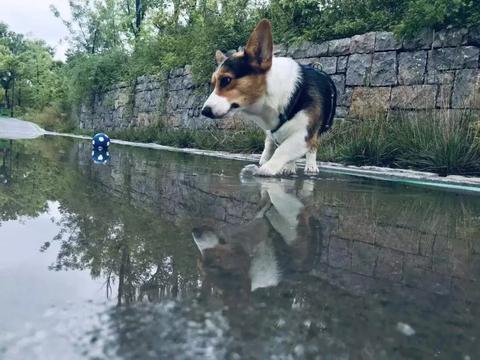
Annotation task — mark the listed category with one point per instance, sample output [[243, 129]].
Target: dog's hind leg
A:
[[311, 167], [268, 150]]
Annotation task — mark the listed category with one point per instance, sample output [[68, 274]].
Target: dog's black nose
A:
[[207, 111]]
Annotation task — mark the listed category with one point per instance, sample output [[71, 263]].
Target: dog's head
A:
[[240, 80]]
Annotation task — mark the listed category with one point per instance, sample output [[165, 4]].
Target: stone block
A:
[[327, 64], [397, 238], [345, 99], [299, 51], [384, 69], [339, 47], [466, 89], [389, 265], [358, 70], [339, 80], [317, 50], [364, 43], [473, 36], [449, 37], [364, 257], [353, 225], [342, 64], [453, 58], [444, 96], [308, 49], [440, 77], [413, 97], [423, 40], [369, 102], [339, 255], [385, 40], [411, 67]]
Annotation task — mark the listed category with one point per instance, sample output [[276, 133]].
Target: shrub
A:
[[51, 119]]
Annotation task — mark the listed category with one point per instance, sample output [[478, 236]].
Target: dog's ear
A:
[[220, 57], [259, 49]]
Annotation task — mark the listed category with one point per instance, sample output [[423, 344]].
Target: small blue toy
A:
[[100, 141], [100, 156]]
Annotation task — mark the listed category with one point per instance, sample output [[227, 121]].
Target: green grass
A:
[[243, 141], [444, 143]]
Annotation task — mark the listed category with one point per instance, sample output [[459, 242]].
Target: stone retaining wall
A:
[[375, 74]]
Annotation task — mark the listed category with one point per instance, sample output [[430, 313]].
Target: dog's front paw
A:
[[264, 170], [254, 170], [249, 170], [311, 169], [289, 169]]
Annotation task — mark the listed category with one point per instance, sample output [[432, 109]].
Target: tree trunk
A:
[[138, 16], [7, 100], [12, 104]]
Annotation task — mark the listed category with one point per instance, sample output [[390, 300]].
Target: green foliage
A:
[[88, 74], [322, 20], [437, 14], [31, 79], [51, 118]]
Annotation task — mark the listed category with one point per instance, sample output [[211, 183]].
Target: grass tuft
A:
[[444, 142], [242, 141]]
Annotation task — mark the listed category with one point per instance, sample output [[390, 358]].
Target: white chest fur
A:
[[281, 83]]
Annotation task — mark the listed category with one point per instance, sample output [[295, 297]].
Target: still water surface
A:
[[158, 255]]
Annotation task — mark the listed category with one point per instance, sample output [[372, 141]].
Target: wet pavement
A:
[[158, 255]]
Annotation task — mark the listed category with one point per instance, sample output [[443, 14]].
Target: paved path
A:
[[18, 129]]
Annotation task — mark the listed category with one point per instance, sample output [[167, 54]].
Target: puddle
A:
[[157, 254]]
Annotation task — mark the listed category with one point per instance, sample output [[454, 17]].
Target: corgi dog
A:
[[281, 239], [294, 104]]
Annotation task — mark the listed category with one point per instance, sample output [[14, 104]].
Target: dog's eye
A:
[[224, 81]]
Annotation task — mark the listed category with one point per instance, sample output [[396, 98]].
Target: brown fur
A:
[[259, 51], [316, 116], [244, 91], [260, 46]]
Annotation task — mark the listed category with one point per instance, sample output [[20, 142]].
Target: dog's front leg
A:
[[268, 150], [290, 150]]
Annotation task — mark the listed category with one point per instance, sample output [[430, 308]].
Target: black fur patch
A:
[[239, 66], [312, 81]]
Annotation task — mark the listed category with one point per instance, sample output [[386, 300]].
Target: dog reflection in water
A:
[[282, 239]]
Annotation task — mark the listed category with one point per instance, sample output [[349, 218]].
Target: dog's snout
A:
[[207, 111]]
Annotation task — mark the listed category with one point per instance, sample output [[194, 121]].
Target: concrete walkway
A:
[[15, 129], [18, 129]]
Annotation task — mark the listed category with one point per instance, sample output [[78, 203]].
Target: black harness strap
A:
[[289, 111]]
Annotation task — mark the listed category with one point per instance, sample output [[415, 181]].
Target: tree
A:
[[29, 76]]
